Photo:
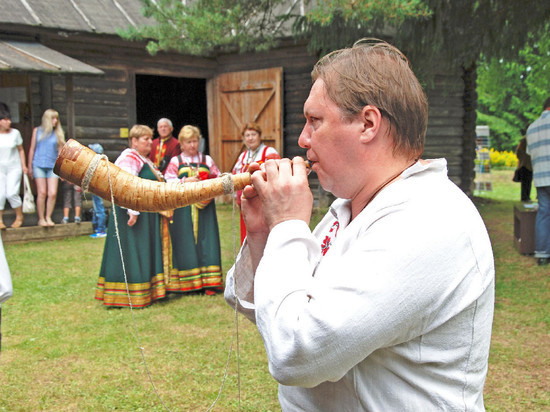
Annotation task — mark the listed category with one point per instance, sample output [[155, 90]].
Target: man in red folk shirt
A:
[[165, 146]]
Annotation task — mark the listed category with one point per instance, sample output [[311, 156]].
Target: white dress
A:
[[10, 168]]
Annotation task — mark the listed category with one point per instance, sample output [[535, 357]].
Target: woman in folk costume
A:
[[256, 152], [140, 238], [195, 236]]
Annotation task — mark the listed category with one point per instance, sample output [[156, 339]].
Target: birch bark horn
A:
[[133, 192]]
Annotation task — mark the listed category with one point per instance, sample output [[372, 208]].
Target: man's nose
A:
[[304, 139]]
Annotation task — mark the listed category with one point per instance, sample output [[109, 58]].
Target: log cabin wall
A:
[[451, 133], [451, 117], [297, 65], [103, 105]]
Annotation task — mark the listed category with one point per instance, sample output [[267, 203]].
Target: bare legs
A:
[[45, 200]]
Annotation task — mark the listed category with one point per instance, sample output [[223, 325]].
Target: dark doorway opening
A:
[[181, 100]]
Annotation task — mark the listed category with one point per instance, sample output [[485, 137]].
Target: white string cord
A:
[[136, 333], [229, 188]]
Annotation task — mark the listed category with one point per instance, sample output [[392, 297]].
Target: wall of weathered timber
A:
[[105, 104]]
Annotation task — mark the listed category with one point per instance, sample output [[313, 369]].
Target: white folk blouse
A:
[[389, 312]]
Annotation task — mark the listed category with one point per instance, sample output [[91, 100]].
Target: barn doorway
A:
[[182, 100]]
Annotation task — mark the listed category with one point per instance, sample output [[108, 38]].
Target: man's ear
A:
[[371, 118]]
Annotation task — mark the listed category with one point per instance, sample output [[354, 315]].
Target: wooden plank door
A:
[[240, 97]]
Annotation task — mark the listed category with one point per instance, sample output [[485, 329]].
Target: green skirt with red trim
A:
[[196, 256]]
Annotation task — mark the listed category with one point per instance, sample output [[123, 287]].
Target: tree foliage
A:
[[333, 24], [460, 30], [207, 27], [507, 38], [511, 92]]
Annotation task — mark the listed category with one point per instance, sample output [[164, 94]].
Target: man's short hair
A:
[[373, 72], [165, 120], [546, 104]]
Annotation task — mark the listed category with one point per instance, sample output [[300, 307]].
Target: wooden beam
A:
[[70, 105]]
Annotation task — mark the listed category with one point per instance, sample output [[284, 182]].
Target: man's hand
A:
[[251, 207], [282, 188]]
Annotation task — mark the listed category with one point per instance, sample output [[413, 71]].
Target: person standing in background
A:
[[71, 194], [524, 170], [194, 232], [166, 146], [139, 236], [99, 218], [538, 147], [256, 152], [47, 140], [12, 166]]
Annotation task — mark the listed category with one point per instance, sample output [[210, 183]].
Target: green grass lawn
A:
[[63, 351]]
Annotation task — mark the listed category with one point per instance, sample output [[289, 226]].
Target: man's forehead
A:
[[318, 97]]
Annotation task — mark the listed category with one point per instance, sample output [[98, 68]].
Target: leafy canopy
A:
[[461, 30], [206, 27], [511, 92], [507, 38]]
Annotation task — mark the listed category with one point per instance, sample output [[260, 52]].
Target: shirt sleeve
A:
[[214, 171], [132, 164], [272, 153], [18, 138], [239, 285], [321, 316], [239, 164], [171, 172]]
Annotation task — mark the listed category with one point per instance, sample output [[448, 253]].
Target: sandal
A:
[[17, 223]]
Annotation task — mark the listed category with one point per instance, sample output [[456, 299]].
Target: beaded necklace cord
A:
[[387, 182]]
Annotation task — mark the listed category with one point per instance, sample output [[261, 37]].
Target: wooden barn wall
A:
[[297, 65], [451, 124], [451, 127], [103, 105], [470, 136], [444, 137]]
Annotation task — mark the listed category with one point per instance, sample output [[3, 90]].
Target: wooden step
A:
[[40, 233]]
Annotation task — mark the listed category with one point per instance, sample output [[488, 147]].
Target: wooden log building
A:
[[66, 55]]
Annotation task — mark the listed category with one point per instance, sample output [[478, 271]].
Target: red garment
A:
[[244, 167], [170, 148]]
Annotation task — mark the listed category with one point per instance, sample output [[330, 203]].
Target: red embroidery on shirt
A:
[[327, 242]]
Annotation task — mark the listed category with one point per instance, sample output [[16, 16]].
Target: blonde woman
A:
[[194, 232], [47, 141]]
